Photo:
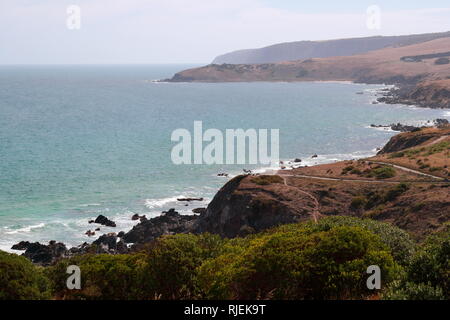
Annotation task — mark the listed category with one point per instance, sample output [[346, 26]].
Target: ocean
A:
[[79, 141]]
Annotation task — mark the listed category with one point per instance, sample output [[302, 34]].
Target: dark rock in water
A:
[[190, 199], [222, 175], [402, 128], [297, 160], [98, 229], [396, 127], [137, 217], [314, 156], [199, 210], [90, 233], [22, 245], [91, 221], [120, 234], [440, 122], [105, 221], [170, 213], [44, 254], [171, 222], [360, 92]]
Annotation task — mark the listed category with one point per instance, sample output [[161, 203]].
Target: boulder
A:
[[190, 199], [105, 221], [45, 254], [22, 245], [170, 222]]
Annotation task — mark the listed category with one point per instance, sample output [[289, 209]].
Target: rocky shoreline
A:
[[409, 128], [426, 95]]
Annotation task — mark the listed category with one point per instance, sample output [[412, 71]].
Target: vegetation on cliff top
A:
[[324, 260]]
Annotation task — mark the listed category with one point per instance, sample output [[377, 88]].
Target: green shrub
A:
[[21, 280], [397, 240], [427, 276], [103, 277], [358, 202], [431, 264], [393, 193], [376, 198], [384, 172], [438, 147], [396, 155], [399, 290], [298, 265], [347, 169], [172, 262]]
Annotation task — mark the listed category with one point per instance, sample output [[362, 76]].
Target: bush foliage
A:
[[21, 280], [309, 260]]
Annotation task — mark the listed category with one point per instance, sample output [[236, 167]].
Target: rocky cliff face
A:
[[244, 205], [407, 140]]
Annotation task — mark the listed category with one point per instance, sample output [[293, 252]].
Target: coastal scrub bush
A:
[[427, 276], [396, 155], [358, 202], [21, 280], [383, 172], [376, 198], [393, 193], [347, 169], [172, 262], [103, 277], [403, 290], [294, 264], [397, 240]]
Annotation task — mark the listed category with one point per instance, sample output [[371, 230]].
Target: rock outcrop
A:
[[170, 222], [407, 140], [245, 205], [42, 254], [101, 219]]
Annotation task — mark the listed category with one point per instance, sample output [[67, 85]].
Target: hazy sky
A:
[[188, 31]]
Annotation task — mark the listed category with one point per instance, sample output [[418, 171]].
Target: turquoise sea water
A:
[[79, 141]]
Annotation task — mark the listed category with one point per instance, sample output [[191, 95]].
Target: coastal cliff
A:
[[422, 71]]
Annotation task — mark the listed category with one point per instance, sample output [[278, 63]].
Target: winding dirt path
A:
[[315, 215], [316, 212]]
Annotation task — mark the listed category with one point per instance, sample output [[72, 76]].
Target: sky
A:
[[192, 31]]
